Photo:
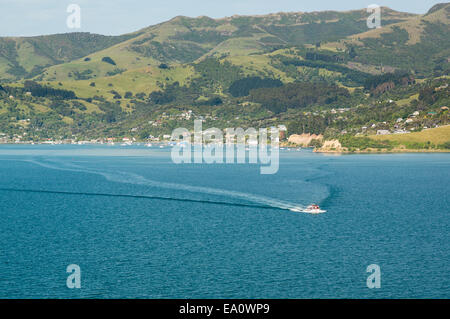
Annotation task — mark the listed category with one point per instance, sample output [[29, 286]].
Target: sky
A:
[[114, 17]]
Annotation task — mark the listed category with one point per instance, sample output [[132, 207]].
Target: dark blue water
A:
[[391, 210]]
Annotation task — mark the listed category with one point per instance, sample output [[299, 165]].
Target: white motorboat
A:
[[314, 209]]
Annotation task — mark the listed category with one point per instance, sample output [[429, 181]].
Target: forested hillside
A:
[[319, 72]]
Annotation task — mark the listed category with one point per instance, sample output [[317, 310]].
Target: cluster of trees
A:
[[116, 94], [128, 95], [353, 77], [112, 112], [326, 57], [397, 78], [363, 143], [431, 96], [61, 108], [38, 90], [214, 71], [308, 124], [214, 101], [83, 75], [115, 72], [107, 59], [79, 105], [174, 92], [159, 97], [242, 87], [298, 95]]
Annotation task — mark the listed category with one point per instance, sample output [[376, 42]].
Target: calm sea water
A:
[[392, 210]]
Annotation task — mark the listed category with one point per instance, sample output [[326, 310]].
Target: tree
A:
[[243, 87], [107, 59], [128, 95]]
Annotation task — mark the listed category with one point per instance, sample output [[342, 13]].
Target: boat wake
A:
[[307, 211], [132, 178], [132, 196]]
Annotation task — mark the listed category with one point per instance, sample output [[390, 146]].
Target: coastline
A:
[[282, 145], [381, 151]]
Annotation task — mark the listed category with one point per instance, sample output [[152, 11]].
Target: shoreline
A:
[[382, 151], [320, 151]]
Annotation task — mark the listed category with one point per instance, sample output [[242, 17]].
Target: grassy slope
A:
[[27, 53], [437, 135], [413, 25], [238, 36], [244, 47], [123, 58], [417, 41], [136, 81]]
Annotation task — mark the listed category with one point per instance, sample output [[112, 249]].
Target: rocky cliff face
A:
[[304, 139], [330, 146]]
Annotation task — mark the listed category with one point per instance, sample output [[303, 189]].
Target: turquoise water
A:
[[218, 238]]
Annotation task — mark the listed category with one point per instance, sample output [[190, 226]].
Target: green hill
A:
[[439, 135], [28, 56], [289, 68], [420, 44], [186, 40]]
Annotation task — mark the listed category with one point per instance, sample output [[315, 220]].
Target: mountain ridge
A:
[[40, 55], [295, 69]]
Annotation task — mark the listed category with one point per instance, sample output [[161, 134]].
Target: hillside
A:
[[420, 43], [28, 56], [185, 40], [318, 72], [439, 135], [429, 140]]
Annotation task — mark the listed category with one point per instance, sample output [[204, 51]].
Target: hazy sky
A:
[[34, 17]]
